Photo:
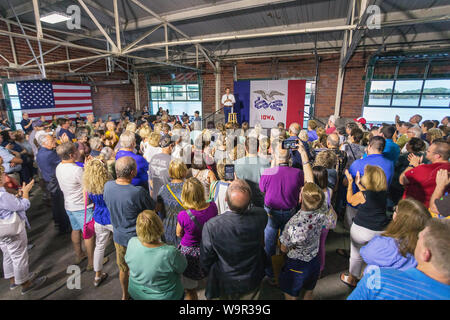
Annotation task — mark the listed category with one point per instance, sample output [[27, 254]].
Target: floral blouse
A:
[[301, 234]]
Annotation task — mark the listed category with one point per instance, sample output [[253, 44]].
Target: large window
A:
[[175, 92], [406, 85], [13, 104], [309, 102]]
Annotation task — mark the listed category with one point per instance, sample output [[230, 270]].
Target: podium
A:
[[232, 117]]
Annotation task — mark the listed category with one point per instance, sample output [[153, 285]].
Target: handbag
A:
[[88, 228], [12, 226]]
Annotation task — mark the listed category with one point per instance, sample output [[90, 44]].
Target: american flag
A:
[[45, 98]]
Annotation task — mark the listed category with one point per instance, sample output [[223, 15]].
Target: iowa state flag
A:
[[269, 102]]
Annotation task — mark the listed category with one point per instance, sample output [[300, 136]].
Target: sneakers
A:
[[32, 276], [35, 284]]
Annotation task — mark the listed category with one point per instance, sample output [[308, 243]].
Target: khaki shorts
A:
[[120, 257]]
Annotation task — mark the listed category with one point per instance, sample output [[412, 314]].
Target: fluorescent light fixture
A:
[[54, 17]]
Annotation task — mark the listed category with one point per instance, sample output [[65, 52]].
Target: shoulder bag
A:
[[88, 228], [11, 226]]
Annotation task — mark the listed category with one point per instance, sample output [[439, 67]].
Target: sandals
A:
[[345, 279], [103, 277]]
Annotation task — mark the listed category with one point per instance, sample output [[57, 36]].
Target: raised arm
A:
[[307, 168], [442, 181]]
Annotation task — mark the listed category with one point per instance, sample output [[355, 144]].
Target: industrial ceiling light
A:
[[54, 17]]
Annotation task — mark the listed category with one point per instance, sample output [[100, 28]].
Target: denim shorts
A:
[[77, 218]]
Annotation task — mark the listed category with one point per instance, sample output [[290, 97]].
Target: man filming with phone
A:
[[294, 130], [281, 185]]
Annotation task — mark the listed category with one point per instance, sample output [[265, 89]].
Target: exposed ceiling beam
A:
[[102, 9], [99, 26], [310, 27], [27, 8], [195, 12], [396, 40], [167, 23], [359, 33]]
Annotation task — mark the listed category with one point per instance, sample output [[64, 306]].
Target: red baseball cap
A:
[[360, 120]]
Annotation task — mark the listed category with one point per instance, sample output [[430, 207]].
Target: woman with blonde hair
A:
[[328, 159], [199, 169], [153, 146], [169, 204], [395, 247], [144, 133], [433, 134], [155, 267], [189, 228], [94, 178], [370, 219]]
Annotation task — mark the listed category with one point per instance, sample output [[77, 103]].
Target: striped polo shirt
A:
[[392, 284]]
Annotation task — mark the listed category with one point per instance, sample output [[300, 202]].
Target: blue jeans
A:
[[277, 220], [226, 111]]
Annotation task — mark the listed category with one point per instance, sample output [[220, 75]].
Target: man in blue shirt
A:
[[47, 161], [26, 123], [65, 129], [294, 130], [375, 157], [430, 280], [128, 144], [312, 134], [391, 149]]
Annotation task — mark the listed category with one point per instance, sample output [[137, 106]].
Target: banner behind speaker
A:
[[270, 101]]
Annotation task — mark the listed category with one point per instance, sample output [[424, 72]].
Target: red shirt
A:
[[330, 130], [422, 181]]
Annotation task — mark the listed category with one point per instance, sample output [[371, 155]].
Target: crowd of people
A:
[[234, 205]]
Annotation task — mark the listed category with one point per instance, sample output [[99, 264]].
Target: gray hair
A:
[[333, 139], [127, 140], [107, 153], [42, 139], [417, 131], [125, 167], [294, 128], [66, 150], [95, 143], [81, 133]]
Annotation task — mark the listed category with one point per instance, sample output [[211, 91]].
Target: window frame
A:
[[427, 63], [172, 92]]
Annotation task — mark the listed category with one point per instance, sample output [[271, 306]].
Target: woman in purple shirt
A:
[[189, 229]]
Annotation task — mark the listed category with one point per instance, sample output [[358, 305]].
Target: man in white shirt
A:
[[228, 102], [70, 180]]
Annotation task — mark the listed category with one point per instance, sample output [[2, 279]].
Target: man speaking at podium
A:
[[228, 102]]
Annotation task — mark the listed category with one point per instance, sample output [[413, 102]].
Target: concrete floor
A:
[[52, 254]]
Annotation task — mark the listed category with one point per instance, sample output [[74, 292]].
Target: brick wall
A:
[[106, 99], [110, 99], [297, 67]]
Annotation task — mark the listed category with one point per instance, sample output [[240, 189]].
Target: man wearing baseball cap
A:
[[361, 122]]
